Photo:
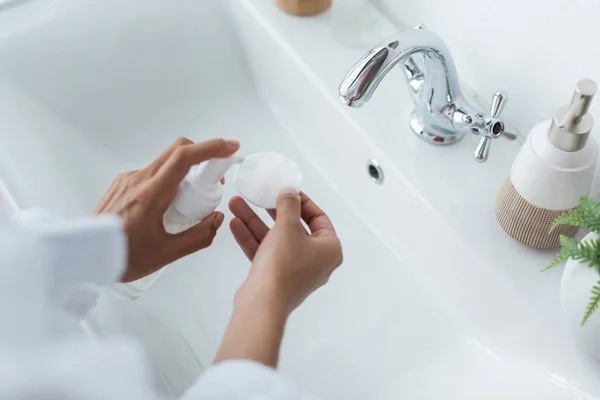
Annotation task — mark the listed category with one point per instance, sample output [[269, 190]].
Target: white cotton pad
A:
[[261, 176]]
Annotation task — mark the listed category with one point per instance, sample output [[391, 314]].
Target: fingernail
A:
[[218, 220], [233, 143], [289, 191]]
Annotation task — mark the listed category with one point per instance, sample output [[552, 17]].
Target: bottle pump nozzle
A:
[[572, 124], [211, 171]]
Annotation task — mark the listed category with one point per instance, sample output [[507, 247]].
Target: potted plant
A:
[[580, 284]]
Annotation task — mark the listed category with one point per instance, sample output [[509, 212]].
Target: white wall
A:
[[534, 50]]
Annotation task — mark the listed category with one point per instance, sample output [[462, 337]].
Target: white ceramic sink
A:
[[91, 89]]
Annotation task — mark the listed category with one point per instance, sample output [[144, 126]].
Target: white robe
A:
[[50, 272]]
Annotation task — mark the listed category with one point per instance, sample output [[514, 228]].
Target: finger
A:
[[318, 222], [273, 214], [172, 172], [222, 181], [107, 197], [244, 238], [155, 165], [255, 225], [198, 237], [288, 207]]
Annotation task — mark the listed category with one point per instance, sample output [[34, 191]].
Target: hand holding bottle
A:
[[142, 197]]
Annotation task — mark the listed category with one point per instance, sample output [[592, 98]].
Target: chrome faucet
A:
[[442, 115]]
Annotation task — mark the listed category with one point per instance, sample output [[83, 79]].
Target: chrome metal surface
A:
[[441, 115], [482, 150], [572, 124], [375, 171], [415, 126], [493, 128], [497, 105], [585, 90]]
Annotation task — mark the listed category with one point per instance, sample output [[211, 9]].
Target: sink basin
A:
[[92, 89]]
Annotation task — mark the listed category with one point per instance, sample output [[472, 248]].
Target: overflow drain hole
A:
[[375, 171]]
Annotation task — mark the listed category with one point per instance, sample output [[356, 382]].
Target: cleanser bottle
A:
[[553, 170], [198, 195]]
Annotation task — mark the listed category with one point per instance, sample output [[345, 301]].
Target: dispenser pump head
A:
[[572, 124], [211, 171]]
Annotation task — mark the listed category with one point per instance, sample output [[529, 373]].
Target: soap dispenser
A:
[[553, 170]]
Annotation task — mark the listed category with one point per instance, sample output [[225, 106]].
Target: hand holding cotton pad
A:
[[260, 177]]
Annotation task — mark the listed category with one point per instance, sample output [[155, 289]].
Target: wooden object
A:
[[303, 7]]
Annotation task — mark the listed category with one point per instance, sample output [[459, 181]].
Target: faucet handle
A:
[[494, 128], [498, 103], [482, 150]]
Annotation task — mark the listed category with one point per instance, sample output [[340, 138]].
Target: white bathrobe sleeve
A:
[[244, 380], [50, 273]]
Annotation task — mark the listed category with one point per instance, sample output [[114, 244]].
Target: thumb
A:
[[288, 206], [198, 237]]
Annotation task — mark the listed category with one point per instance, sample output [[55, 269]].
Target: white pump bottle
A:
[[199, 194], [553, 170]]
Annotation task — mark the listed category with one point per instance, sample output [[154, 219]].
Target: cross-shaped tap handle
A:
[[494, 128]]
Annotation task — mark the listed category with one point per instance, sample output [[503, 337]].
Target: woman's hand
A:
[[288, 264], [287, 261], [142, 197]]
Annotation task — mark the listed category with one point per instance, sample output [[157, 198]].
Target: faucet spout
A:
[[441, 115], [362, 80]]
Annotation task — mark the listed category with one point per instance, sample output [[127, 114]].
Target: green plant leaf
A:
[[587, 252], [569, 246], [559, 259], [590, 211], [572, 217], [593, 304]]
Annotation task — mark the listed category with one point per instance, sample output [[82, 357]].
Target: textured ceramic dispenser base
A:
[[527, 223]]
